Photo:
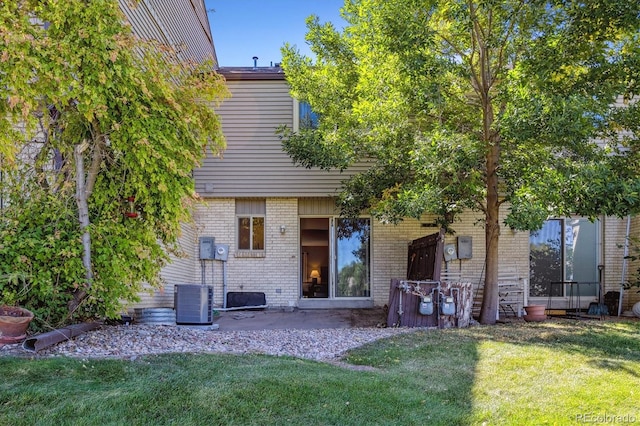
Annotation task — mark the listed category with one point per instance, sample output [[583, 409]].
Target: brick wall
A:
[[276, 272], [613, 252], [280, 276], [391, 243]]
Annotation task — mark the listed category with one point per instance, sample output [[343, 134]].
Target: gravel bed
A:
[[132, 341]]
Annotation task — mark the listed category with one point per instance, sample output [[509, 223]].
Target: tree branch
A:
[[83, 218], [96, 162]]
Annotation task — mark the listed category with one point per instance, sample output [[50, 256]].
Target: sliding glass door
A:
[[353, 242], [564, 251], [335, 257]]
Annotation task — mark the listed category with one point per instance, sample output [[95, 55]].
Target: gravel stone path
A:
[[133, 341]]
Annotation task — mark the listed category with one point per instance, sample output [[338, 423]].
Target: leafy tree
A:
[[90, 115], [474, 105]]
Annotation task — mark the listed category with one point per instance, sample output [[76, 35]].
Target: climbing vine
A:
[[91, 116]]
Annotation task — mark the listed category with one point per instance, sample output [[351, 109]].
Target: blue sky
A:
[[243, 29]]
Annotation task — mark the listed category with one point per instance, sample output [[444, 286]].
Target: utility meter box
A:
[[207, 248], [450, 252], [447, 305], [222, 252], [465, 247], [426, 306]]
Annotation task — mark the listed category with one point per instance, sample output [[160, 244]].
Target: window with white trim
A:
[[250, 217]]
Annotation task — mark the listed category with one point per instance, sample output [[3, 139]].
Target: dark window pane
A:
[[258, 233], [308, 118], [546, 259], [244, 233]]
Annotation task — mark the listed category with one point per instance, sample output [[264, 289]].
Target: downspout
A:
[[624, 263], [224, 285]]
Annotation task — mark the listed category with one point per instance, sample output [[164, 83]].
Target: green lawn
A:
[[556, 372]]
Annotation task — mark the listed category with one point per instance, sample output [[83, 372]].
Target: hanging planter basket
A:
[[14, 322]]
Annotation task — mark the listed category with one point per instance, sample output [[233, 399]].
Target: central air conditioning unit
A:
[[194, 304]]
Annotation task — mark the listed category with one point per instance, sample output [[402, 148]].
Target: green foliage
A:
[[423, 89], [459, 105], [40, 256], [142, 119]]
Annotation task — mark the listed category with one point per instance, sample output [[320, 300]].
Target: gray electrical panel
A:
[[465, 247], [207, 248]]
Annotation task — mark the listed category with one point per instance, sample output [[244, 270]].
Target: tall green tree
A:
[[95, 123], [467, 104]]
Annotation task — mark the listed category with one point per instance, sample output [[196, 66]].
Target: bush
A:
[[40, 257]]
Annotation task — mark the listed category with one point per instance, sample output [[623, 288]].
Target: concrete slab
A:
[[270, 319]]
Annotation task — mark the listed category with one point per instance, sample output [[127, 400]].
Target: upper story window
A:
[[250, 216], [304, 117]]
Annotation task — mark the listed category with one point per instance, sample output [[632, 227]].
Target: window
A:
[[564, 251], [250, 215], [304, 117]]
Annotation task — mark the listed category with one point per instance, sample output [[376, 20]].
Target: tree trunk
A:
[[489, 309], [83, 217], [483, 82]]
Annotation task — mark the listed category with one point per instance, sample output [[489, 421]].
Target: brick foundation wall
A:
[[277, 272]]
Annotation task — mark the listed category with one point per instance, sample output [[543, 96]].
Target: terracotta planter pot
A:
[[14, 323], [535, 310], [535, 313]]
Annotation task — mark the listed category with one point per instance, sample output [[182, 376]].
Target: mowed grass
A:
[[556, 373]]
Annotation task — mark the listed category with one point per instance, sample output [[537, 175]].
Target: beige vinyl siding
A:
[[317, 207], [254, 164], [182, 24], [182, 269]]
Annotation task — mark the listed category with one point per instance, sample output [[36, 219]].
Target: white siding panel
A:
[[182, 24], [142, 24], [254, 164], [185, 27]]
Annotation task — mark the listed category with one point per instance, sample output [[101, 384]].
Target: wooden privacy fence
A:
[[424, 257], [405, 297]]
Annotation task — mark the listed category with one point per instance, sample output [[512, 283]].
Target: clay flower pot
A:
[[14, 323], [535, 313]]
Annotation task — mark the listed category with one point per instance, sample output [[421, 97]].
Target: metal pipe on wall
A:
[[224, 285]]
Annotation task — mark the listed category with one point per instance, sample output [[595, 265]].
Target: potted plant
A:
[[14, 322]]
